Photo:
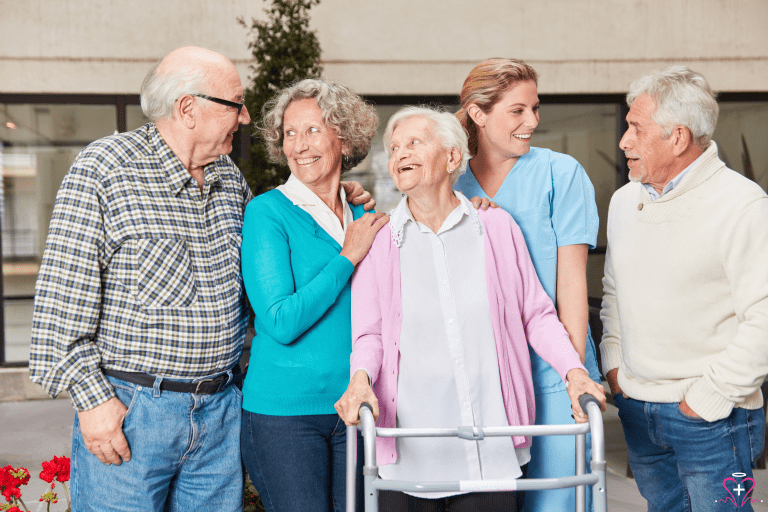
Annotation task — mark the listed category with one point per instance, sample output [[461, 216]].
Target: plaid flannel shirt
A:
[[141, 270]]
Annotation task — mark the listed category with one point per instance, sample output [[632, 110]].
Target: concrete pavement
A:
[[35, 430]]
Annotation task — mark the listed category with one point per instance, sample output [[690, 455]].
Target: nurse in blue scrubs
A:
[[552, 200]]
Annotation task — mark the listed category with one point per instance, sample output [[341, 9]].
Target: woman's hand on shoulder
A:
[[358, 392], [483, 202], [578, 384], [360, 236]]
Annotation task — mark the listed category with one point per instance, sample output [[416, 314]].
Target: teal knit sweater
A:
[[299, 288]]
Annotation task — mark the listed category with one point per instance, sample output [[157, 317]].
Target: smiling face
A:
[[507, 129], [650, 156], [418, 162], [313, 149], [218, 123]]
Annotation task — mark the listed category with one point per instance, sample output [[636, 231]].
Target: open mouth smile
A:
[[522, 136], [408, 167], [307, 161]]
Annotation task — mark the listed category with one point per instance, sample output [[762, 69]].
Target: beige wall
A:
[[394, 46]]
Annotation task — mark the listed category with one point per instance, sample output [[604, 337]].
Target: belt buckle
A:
[[197, 388]]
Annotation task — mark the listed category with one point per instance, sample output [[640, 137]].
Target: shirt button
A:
[[640, 206], [450, 321]]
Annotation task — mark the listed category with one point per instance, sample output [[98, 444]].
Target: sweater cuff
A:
[[91, 392], [341, 266], [611, 357], [707, 403]]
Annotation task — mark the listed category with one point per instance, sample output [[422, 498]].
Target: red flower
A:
[[11, 492], [57, 468], [14, 509]]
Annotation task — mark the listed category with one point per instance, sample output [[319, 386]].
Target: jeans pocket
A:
[[756, 426], [128, 396], [695, 419]]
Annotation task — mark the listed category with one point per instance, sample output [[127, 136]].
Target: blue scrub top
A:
[[552, 200]]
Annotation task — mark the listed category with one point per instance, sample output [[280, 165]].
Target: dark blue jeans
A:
[[298, 463], [682, 463]]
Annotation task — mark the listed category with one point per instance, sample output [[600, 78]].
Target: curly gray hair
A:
[[354, 120]]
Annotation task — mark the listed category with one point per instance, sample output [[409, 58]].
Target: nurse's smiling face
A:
[[507, 128]]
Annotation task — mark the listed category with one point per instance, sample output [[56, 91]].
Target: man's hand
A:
[[102, 429], [483, 202], [687, 410], [357, 195], [613, 382]]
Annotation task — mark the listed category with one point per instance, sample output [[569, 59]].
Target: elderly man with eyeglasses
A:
[[139, 310]]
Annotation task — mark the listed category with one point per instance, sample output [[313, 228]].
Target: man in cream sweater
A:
[[685, 311]]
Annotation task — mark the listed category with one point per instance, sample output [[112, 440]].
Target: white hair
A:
[[159, 92], [683, 97], [445, 125]]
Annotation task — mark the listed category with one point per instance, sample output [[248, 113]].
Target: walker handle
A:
[[585, 399]]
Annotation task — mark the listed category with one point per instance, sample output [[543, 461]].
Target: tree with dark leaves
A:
[[285, 50]]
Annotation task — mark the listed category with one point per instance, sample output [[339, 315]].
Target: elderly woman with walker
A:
[[445, 306]]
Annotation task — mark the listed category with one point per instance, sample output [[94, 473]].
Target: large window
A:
[[40, 135]]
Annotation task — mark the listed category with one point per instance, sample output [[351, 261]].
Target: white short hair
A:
[[683, 97], [159, 92], [446, 126]]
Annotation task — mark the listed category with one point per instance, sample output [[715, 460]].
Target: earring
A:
[[450, 171]]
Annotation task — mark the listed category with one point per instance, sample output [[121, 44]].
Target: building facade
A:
[[70, 73]]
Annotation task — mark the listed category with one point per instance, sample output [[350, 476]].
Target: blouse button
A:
[[640, 206]]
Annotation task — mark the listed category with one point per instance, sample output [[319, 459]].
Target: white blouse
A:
[[449, 371], [301, 195]]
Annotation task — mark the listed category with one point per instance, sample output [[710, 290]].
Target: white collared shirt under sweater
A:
[[448, 370]]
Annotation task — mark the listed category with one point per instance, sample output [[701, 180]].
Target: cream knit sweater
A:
[[685, 311]]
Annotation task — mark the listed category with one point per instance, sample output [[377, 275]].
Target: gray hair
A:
[[159, 92], [683, 97], [446, 126], [354, 120]]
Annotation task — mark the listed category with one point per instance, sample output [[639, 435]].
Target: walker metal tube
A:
[[581, 468], [598, 464], [351, 467], [370, 469]]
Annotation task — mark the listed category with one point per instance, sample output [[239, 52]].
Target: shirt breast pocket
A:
[[165, 277], [539, 235]]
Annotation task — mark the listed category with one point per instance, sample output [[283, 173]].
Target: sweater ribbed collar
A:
[[700, 171]]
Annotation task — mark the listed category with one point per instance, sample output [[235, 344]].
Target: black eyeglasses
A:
[[238, 106]]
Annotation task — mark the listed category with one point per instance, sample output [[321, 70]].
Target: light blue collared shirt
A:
[[672, 184]]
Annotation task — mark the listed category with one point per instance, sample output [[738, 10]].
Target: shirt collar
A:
[[669, 186], [401, 214], [302, 195], [175, 173]]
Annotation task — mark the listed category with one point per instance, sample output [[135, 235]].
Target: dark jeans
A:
[[391, 501], [298, 463], [683, 464]]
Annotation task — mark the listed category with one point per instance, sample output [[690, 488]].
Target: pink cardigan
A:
[[518, 303]]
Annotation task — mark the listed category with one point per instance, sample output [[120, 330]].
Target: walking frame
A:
[[373, 483]]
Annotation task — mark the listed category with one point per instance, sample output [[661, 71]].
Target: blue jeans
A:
[[298, 463], [680, 462], [185, 454]]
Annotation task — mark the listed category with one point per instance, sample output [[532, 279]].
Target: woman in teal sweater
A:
[[301, 243]]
